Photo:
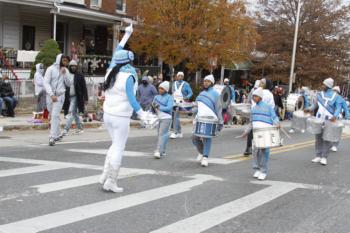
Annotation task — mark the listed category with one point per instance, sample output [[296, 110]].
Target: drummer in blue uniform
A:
[[344, 110], [181, 92], [209, 107], [328, 109], [263, 116]]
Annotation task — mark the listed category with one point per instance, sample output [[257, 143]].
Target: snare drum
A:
[[299, 120], [346, 129], [332, 131], [295, 102], [314, 125], [266, 137], [206, 127]]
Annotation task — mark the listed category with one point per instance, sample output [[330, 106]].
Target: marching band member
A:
[[181, 92], [263, 115], [163, 103], [328, 109], [344, 109], [248, 150], [209, 105], [120, 89]]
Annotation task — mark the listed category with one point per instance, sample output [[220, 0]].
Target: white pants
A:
[[118, 128], [55, 109]]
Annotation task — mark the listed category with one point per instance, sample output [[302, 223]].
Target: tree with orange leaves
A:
[[192, 31]]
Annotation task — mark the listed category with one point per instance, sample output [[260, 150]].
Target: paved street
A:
[[55, 189]]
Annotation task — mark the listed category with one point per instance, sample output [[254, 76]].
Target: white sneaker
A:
[[64, 133], [303, 131], [204, 162], [79, 131], [323, 161], [199, 157], [316, 160], [291, 131], [179, 135], [256, 174], [173, 135], [334, 149], [156, 155], [111, 185], [262, 176]]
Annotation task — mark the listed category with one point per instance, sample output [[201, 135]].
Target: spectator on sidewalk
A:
[[146, 93], [8, 96], [55, 82], [39, 88], [78, 98]]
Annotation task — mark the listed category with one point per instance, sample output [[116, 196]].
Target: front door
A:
[[28, 38]]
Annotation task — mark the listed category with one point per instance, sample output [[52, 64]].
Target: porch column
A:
[[116, 31], [54, 25]]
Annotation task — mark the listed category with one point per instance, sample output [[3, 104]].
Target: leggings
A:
[[118, 129]]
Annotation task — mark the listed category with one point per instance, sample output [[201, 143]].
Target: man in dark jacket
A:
[[78, 98], [7, 95]]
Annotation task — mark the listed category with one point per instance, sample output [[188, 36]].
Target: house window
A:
[[120, 5], [95, 3], [28, 38]]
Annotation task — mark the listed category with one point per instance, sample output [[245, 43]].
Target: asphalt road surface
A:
[[55, 189]]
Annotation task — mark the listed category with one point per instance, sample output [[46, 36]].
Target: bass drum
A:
[[225, 95], [295, 102]]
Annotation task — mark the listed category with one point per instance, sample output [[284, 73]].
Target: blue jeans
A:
[[177, 124], [74, 114], [203, 145], [261, 159], [11, 103], [1, 103], [163, 135]]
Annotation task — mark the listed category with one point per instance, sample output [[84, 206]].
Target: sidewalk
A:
[[26, 122]]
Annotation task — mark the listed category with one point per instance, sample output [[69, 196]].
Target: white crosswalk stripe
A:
[[104, 152]]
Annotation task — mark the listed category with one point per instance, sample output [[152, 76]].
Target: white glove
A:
[[128, 32], [142, 115]]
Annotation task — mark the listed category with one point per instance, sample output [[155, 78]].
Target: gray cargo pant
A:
[[322, 147]]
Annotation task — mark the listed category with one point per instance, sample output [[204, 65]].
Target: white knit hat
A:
[[257, 83], [259, 92], [180, 73], [226, 80], [165, 85], [73, 63], [329, 82], [337, 89], [210, 78]]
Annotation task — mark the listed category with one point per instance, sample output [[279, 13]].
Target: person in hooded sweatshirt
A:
[[328, 110], [163, 105], [120, 88], [78, 98], [55, 82], [39, 87], [209, 106], [146, 93]]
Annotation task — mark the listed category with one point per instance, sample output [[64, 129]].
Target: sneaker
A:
[[173, 135], [52, 142], [199, 157], [334, 149], [323, 161], [179, 135], [79, 131], [247, 152], [262, 176], [256, 174], [204, 162], [156, 155], [316, 160], [291, 131], [303, 131], [59, 138], [64, 133]]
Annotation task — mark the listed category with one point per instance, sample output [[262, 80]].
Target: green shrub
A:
[[47, 55]]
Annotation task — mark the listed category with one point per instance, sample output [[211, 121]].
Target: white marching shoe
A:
[[199, 157], [111, 182], [262, 176], [256, 174], [323, 161], [334, 149], [316, 160], [156, 155], [204, 162], [103, 176]]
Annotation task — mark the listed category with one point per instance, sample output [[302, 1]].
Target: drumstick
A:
[[285, 133]]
